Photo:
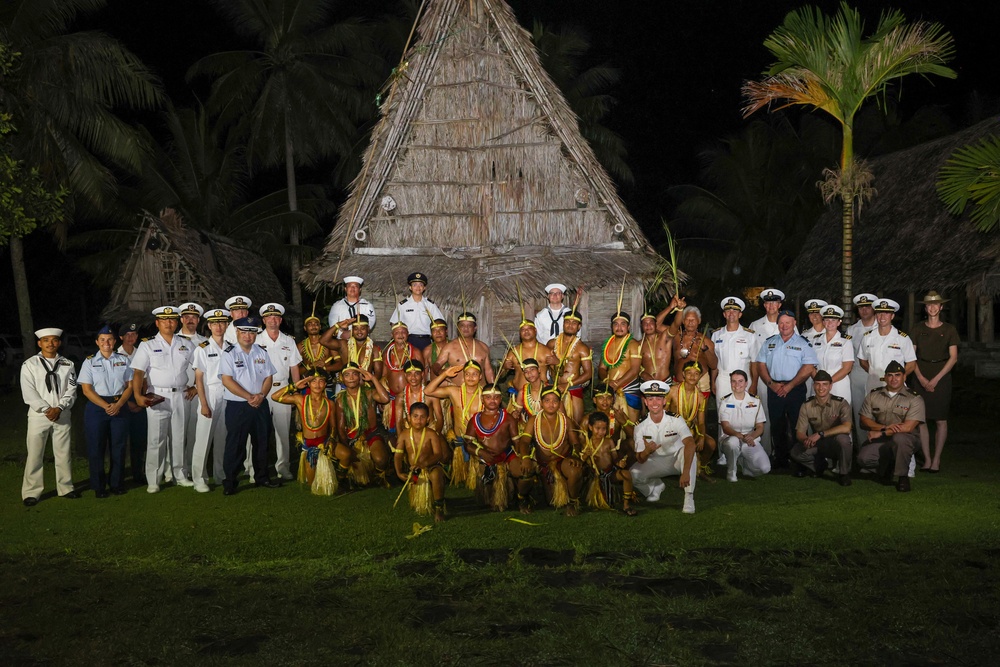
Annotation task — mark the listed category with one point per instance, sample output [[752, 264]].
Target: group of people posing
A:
[[430, 411]]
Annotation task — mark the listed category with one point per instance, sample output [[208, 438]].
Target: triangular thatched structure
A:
[[171, 263], [905, 240], [478, 176]]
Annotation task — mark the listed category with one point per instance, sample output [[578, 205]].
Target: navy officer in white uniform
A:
[[238, 307], [285, 357], [246, 372], [417, 312], [346, 310], [105, 379], [161, 363], [663, 446]]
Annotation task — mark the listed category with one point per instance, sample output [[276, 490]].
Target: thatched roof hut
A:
[[478, 176], [905, 240], [171, 264]]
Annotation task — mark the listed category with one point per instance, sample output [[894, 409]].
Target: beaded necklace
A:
[[607, 352], [467, 405], [356, 407], [309, 415], [487, 432], [689, 412], [408, 401], [531, 405], [307, 351], [393, 366], [352, 352]]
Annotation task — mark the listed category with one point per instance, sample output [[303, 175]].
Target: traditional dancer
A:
[[555, 438], [418, 461], [316, 412], [361, 449]]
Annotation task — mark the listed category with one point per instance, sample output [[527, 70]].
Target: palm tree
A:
[[64, 92], [826, 63], [299, 94], [972, 174], [562, 53]]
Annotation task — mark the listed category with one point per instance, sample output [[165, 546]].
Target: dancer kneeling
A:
[[361, 448], [608, 459], [555, 438], [315, 410], [489, 437], [418, 462]]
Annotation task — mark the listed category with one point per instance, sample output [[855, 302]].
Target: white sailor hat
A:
[[654, 388], [864, 299], [191, 308], [48, 331], [354, 279], [167, 313], [249, 323], [885, 306], [558, 286], [732, 303], [815, 305], [772, 294], [269, 309], [217, 315], [831, 310], [238, 303]]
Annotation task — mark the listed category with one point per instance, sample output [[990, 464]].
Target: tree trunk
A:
[[986, 318], [293, 205], [22, 296], [847, 220]]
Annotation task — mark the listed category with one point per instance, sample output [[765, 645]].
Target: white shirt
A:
[[743, 414], [165, 364], [416, 315], [879, 350], [207, 357], [857, 331], [284, 354], [764, 329], [669, 434], [833, 354], [736, 350], [544, 320], [61, 392], [341, 310]]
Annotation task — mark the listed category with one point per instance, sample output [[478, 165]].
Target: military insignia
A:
[[204, 344]]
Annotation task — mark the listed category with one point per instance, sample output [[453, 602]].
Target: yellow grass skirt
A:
[[364, 468], [422, 494], [325, 480]]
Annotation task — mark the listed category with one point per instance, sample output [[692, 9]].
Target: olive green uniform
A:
[[887, 410], [816, 417]]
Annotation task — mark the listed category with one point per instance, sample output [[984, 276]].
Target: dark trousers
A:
[[836, 447], [242, 421], [137, 434], [419, 341], [784, 414], [100, 430]]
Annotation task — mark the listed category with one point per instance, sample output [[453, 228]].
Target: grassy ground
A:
[[773, 571]]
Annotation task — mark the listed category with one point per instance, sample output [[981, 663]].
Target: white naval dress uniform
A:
[[210, 431], [416, 315], [166, 368], [60, 393], [879, 350], [736, 351], [859, 376], [284, 354], [341, 310], [191, 421], [669, 434], [763, 329], [833, 354], [743, 415], [549, 324]]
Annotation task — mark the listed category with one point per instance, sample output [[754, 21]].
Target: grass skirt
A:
[[422, 494], [363, 469], [560, 492], [325, 480], [497, 494]]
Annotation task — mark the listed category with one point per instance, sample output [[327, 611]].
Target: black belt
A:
[[933, 361], [111, 399]]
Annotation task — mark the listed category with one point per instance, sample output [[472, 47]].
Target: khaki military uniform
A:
[[815, 417], [887, 410]]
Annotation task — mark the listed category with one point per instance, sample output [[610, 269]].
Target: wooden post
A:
[[986, 318], [970, 313]]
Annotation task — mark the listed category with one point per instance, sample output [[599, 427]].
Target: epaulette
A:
[[402, 301], [846, 336], [903, 334], [229, 347], [92, 356], [869, 331], [748, 394], [726, 396], [748, 329], [672, 414], [430, 300], [836, 398], [875, 389], [715, 331], [147, 339], [810, 399], [203, 344], [184, 336]]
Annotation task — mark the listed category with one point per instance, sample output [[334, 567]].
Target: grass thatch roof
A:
[[218, 269], [489, 178], [905, 240]]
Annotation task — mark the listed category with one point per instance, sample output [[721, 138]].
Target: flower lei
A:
[[352, 352]]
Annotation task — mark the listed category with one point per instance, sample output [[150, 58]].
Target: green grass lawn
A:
[[772, 571]]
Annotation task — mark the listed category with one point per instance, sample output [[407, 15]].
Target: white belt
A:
[[168, 390]]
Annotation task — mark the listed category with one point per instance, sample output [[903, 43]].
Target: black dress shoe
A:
[[268, 484], [845, 480], [799, 472], [102, 494], [119, 491], [820, 464], [903, 484], [30, 502], [229, 491], [71, 495]]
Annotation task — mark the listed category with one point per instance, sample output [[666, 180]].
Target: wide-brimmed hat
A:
[[934, 297]]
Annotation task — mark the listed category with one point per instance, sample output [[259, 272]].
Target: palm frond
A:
[[972, 174]]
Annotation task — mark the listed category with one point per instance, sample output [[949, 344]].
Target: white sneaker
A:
[[655, 490], [722, 459], [153, 488], [201, 487], [731, 476], [184, 481], [688, 503]]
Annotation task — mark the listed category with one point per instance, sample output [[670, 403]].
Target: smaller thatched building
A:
[[478, 176], [171, 264], [905, 240]]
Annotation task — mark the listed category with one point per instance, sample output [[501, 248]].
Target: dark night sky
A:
[[682, 64]]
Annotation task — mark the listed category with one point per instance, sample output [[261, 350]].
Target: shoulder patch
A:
[[203, 344], [836, 398], [229, 347], [402, 301]]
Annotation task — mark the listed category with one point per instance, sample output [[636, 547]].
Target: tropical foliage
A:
[[828, 63], [972, 175]]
